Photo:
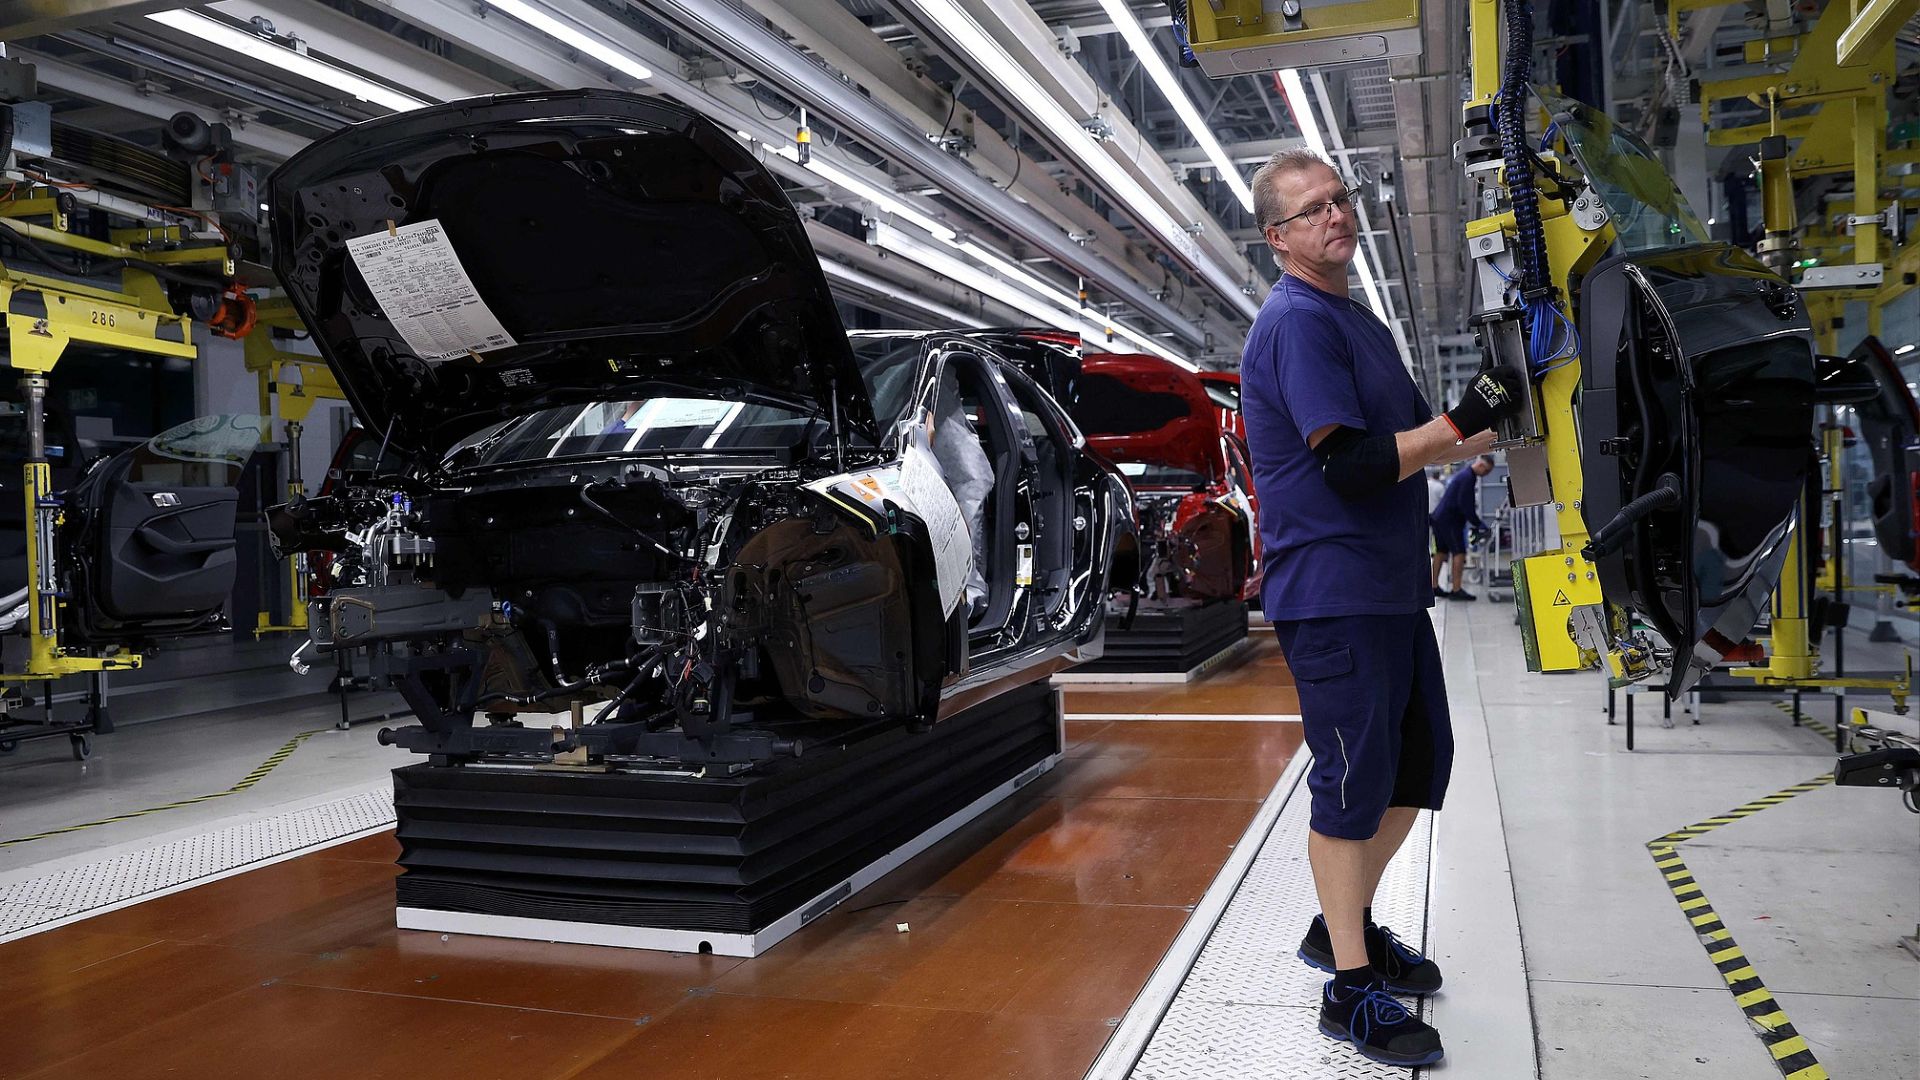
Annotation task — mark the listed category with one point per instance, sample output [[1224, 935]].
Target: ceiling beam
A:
[[81, 82]]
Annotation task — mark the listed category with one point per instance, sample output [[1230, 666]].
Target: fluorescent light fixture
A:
[[890, 238], [1163, 77], [862, 279], [1903, 350], [1302, 106], [1066, 131], [1048, 303], [574, 38], [214, 32], [880, 199], [1303, 112], [1064, 317]]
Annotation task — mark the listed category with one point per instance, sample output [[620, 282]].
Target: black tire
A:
[[8, 746], [82, 747]]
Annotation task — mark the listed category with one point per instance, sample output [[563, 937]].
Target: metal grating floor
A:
[[36, 903], [1248, 1009]]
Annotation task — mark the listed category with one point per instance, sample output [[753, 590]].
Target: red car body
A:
[[1185, 456]]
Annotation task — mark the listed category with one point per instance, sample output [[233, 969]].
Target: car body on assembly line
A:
[[649, 479], [1177, 442]]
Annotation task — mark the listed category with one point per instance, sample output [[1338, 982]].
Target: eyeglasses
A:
[[1316, 214]]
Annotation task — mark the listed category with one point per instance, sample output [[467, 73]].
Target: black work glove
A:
[[1493, 394]]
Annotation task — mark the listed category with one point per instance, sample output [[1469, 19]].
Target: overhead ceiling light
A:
[[214, 32], [1903, 350], [1068, 305], [1302, 106], [573, 37], [861, 279], [880, 199], [1020, 87], [890, 238], [1164, 78], [1093, 331]]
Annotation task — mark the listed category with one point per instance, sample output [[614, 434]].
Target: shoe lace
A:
[[1376, 1008], [1405, 955]]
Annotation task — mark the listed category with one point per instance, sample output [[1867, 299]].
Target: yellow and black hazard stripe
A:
[[273, 762], [1806, 721], [1763, 1012]]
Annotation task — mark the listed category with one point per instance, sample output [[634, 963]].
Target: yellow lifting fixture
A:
[[292, 399], [45, 313]]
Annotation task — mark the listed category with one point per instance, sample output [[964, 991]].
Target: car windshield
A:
[[1649, 213], [650, 426], [691, 425]]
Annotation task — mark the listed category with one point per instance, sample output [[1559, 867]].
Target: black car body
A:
[[682, 509]]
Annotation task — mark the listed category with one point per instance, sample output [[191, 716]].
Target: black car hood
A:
[[628, 246]]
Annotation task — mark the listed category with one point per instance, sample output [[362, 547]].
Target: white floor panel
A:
[[1621, 1032], [1814, 922], [1249, 1006], [1858, 1037], [1203, 1040], [1814, 890], [1251, 957], [47, 896]]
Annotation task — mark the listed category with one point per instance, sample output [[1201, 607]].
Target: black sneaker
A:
[[1401, 967], [1377, 1026], [1461, 594], [1439, 593]]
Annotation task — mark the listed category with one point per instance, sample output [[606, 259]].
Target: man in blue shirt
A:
[[1456, 511], [1339, 437]]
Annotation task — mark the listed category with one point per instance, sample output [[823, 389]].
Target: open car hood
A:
[[615, 247], [1138, 407], [1703, 372]]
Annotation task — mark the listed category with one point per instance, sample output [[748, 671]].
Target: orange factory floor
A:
[[1010, 949]]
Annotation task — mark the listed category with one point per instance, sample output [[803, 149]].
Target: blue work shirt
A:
[[1314, 359], [1458, 505]]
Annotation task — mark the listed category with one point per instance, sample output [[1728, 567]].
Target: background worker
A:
[[1339, 436], [1457, 512]]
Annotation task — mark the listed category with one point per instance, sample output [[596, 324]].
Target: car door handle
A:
[[167, 545]]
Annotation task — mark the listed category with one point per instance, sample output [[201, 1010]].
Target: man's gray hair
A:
[[1268, 206]]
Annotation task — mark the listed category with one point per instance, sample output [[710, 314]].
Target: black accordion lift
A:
[[680, 862], [1169, 643]]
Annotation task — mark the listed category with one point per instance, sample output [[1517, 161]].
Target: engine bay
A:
[[623, 607]]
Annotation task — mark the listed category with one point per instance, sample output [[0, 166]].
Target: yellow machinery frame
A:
[[1554, 587], [271, 366], [1232, 37], [1837, 64], [1833, 79], [44, 315]]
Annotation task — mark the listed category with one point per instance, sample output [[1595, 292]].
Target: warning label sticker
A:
[[1560, 599], [425, 292]]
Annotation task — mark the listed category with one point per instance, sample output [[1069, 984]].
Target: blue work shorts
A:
[[1373, 707], [1449, 536]]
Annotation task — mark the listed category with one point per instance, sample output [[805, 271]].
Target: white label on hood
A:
[[425, 292]]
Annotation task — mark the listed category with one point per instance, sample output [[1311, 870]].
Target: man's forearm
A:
[[1433, 443]]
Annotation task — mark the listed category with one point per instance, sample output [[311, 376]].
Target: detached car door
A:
[[149, 543]]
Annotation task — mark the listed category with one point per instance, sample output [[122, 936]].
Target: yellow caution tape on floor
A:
[[273, 762], [1763, 1012], [1806, 721]]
